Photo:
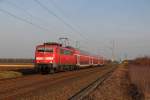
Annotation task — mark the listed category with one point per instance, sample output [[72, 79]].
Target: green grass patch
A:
[[9, 74]]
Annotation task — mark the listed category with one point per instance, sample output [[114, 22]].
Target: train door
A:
[[77, 60]]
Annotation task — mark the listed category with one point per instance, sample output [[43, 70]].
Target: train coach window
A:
[[66, 52]]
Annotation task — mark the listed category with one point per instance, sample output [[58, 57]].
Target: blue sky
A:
[[98, 21]]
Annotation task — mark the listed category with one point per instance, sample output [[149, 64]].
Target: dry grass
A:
[[140, 77], [9, 74], [143, 61]]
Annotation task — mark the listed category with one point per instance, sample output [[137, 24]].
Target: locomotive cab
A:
[[44, 54], [45, 58]]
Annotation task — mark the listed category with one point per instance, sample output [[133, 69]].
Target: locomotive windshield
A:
[[45, 49]]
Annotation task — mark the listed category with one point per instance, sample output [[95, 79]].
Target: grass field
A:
[[9, 74], [12, 70]]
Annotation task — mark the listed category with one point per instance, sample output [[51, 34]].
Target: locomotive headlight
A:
[[39, 58], [44, 58], [49, 58]]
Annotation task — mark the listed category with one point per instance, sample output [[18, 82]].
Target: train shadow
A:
[[27, 71], [31, 71]]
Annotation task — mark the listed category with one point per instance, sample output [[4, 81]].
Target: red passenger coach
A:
[[51, 57]]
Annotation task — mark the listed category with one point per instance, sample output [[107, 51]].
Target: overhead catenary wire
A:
[[20, 18], [25, 11], [61, 11], [86, 40], [59, 18], [39, 26], [23, 19]]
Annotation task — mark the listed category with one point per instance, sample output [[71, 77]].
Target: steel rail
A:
[[91, 87]]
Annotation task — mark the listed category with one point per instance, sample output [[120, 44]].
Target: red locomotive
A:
[[51, 57]]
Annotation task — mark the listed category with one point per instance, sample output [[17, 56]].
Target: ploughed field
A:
[[59, 86]]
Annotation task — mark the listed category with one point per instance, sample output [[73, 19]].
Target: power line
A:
[[59, 18], [60, 10], [77, 27], [22, 19], [24, 10]]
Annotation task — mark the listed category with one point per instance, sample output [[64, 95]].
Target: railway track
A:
[[28, 87], [91, 87]]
